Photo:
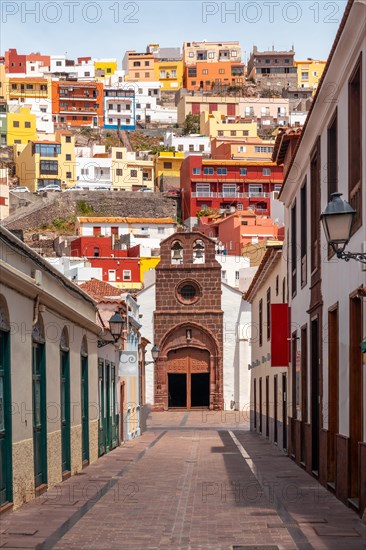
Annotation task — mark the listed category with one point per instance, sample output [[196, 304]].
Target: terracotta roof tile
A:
[[99, 289]]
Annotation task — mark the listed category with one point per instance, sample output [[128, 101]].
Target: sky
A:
[[107, 28]]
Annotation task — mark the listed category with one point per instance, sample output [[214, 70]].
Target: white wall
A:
[[146, 301], [171, 140]]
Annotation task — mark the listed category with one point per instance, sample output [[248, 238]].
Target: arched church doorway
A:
[[188, 372]]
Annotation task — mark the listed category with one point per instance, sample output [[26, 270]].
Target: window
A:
[[168, 165], [242, 149], [222, 171], [191, 54], [294, 249], [58, 63], [111, 275], [68, 139], [196, 171], [332, 153], [245, 133], [268, 313], [127, 275], [221, 71], [203, 190], [315, 206], [180, 147], [234, 53], [137, 75], [161, 230], [220, 133], [192, 72], [211, 55], [136, 64], [119, 172], [148, 105], [204, 71], [85, 171], [191, 147], [261, 149], [233, 132], [266, 172], [147, 63], [27, 124], [49, 167], [119, 155], [15, 123], [260, 320], [68, 156], [68, 175], [96, 252], [133, 173], [243, 171], [229, 190], [355, 146], [239, 206], [201, 148], [255, 190], [305, 75], [208, 171], [147, 75], [277, 285]]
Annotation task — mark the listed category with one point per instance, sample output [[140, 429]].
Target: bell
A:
[[177, 254], [198, 253]]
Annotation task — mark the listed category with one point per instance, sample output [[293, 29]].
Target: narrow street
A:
[[194, 480]]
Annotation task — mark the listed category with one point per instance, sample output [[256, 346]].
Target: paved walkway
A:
[[196, 480]]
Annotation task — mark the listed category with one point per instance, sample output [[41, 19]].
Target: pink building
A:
[[238, 230]]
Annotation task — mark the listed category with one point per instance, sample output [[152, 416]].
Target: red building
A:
[[225, 186], [78, 103], [16, 63], [121, 268]]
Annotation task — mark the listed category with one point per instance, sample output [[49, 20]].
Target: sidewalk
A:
[[193, 481]]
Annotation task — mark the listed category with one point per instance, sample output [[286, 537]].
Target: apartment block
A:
[[209, 65], [132, 171], [273, 69], [119, 109], [139, 67], [309, 73], [21, 126], [196, 103], [167, 169], [216, 185], [78, 104], [41, 163], [216, 125]]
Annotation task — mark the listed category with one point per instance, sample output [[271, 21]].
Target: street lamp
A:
[[115, 323], [337, 221], [155, 354]]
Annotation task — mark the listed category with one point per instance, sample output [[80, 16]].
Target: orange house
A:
[[239, 230], [206, 75], [77, 103]]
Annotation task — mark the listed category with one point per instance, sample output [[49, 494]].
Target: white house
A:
[[326, 293], [194, 143]]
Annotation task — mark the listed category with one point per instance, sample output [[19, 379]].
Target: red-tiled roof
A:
[[99, 289]]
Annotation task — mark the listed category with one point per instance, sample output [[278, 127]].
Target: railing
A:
[[255, 194], [203, 194], [230, 195]]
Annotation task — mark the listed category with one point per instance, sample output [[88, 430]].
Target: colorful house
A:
[[41, 163], [214, 124], [225, 186], [78, 103], [104, 68], [131, 171], [209, 65], [309, 72], [21, 126], [170, 73], [139, 67], [167, 169], [119, 109]]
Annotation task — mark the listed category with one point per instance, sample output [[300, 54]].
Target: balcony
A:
[[204, 195], [256, 194], [230, 195]]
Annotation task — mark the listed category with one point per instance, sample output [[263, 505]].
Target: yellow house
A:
[[131, 171], [21, 126], [167, 169], [41, 163], [147, 263], [104, 68], [217, 125], [170, 73], [309, 73], [28, 88]]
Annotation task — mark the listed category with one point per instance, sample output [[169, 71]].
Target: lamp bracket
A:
[[347, 256]]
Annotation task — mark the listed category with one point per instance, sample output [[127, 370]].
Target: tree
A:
[[191, 125]]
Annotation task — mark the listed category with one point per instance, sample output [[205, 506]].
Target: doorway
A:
[[84, 409], [200, 389], [355, 393], [177, 390], [275, 405], [333, 362], [65, 412], [315, 396], [39, 414], [188, 378], [284, 412]]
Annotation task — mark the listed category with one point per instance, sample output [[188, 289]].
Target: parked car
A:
[[20, 189], [174, 192], [145, 190], [51, 188], [76, 188]]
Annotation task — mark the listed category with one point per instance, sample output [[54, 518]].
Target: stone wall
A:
[[101, 203]]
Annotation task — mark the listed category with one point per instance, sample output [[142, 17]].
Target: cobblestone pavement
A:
[[194, 480]]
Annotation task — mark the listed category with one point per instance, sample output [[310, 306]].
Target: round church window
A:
[[188, 292]]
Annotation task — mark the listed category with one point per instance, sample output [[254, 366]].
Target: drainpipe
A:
[[36, 311]]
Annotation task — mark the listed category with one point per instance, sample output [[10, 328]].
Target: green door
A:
[[65, 411], [85, 408], [39, 414], [108, 441], [114, 416], [5, 421], [101, 407]]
